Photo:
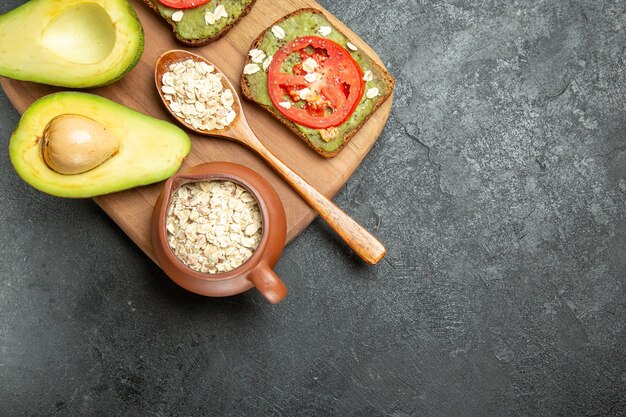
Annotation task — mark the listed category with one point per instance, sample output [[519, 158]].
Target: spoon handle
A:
[[360, 240]]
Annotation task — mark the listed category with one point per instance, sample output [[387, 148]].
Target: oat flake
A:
[[257, 56], [278, 32], [250, 69], [177, 16], [325, 30], [372, 93]]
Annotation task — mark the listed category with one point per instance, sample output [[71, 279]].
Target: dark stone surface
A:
[[499, 187]]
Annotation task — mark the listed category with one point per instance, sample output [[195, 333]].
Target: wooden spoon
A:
[[360, 240]]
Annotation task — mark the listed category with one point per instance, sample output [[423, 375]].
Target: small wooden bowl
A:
[[257, 270]]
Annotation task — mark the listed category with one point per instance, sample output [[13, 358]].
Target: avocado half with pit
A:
[[98, 145], [70, 43]]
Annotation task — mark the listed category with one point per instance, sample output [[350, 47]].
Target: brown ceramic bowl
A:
[[257, 270]]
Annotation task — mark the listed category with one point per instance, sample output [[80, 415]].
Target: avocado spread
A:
[[308, 24], [193, 26]]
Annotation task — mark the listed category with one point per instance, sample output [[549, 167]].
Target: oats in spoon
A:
[[194, 92]]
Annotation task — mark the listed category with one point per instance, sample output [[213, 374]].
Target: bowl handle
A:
[[268, 283]]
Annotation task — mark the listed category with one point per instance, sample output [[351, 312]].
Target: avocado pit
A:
[[73, 144]]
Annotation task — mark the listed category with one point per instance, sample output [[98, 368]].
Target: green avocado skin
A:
[[308, 24], [150, 150], [51, 72], [139, 50], [193, 26]]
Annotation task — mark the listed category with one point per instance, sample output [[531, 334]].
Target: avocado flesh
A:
[[193, 26], [70, 43], [308, 24], [150, 150]]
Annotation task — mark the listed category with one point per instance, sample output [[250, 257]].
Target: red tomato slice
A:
[[322, 98], [183, 4]]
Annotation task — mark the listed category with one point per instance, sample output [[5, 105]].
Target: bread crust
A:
[[245, 90], [201, 41]]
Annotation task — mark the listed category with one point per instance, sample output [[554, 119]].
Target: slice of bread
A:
[[307, 22], [193, 30]]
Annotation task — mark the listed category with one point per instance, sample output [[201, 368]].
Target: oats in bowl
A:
[[213, 226]]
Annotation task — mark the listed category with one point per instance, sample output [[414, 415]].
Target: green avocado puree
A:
[[308, 24], [192, 25]]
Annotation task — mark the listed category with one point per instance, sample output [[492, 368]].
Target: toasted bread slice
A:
[[193, 29], [307, 22]]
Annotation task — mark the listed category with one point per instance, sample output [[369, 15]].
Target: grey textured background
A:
[[499, 187]]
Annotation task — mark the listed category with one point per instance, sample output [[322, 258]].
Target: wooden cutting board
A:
[[132, 209]]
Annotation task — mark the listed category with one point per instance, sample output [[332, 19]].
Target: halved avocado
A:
[[150, 150], [70, 43]]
